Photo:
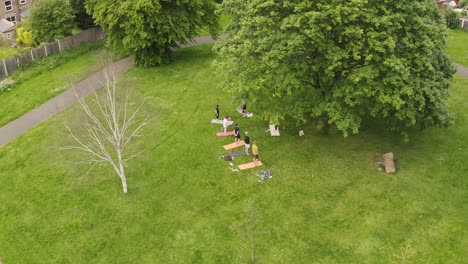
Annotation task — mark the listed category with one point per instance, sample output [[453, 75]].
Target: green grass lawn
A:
[[7, 52], [35, 88], [458, 46], [326, 203]]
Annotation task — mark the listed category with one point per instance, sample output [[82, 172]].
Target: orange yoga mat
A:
[[234, 145], [250, 165], [225, 134]]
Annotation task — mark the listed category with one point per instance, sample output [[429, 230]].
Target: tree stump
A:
[[388, 162]]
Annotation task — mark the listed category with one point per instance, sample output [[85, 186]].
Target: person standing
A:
[[255, 152], [217, 111], [237, 136], [225, 124], [247, 143]]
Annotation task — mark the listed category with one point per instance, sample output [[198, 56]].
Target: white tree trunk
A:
[[124, 182], [109, 127], [123, 178]]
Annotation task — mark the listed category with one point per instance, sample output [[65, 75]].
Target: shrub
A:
[[23, 37], [451, 19], [463, 3], [50, 19]]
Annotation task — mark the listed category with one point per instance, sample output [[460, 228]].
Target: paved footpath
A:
[[462, 70], [66, 99]]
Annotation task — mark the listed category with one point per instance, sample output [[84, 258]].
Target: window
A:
[[8, 35], [12, 19], [22, 2], [8, 6]]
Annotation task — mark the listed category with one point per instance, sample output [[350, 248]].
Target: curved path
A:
[[66, 99], [462, 70]]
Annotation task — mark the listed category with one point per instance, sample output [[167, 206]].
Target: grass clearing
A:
[[325, 204], [43, 79], [458, 46]]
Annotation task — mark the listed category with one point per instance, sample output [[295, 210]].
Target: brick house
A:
[[12, 11]]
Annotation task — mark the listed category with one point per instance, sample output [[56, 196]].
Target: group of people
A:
[[237, 136]]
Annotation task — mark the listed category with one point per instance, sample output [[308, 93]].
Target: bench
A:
[[273, 131], [389, 164]]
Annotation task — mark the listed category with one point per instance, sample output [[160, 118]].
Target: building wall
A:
[[442, 2], [9, 35], [10, 9]]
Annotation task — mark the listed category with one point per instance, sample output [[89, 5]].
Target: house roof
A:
[[6, 25]]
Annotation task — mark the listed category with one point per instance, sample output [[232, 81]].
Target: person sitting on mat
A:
[[255, 152], [217, 111], [244, 107], [237, 136], [225, 124], [247, 143]]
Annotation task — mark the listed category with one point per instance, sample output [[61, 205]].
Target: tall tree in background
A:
[[82, 18], [339, 62], [50, 19], [148, 29]]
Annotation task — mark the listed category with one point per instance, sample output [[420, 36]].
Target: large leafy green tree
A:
[[149, 28], [82, 18], [339, 62], [50, 19]]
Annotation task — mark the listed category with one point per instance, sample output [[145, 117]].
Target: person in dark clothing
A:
[[247, 143], [217, 111], [244, 107], [237, 136]]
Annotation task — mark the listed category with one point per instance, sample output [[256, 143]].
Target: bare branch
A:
[[108, 128]]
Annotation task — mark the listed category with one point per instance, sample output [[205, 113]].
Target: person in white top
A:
[[225, 124]]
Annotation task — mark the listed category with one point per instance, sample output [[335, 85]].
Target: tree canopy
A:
[[83, 20], [339, 62], [50, 19], [148, 29]]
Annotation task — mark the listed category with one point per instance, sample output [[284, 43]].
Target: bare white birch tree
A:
[[108, 128]]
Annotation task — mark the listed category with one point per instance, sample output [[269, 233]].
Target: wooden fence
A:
[[8, 66]]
